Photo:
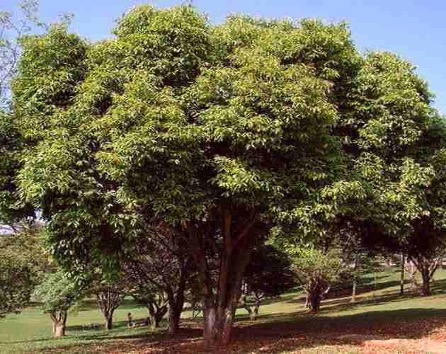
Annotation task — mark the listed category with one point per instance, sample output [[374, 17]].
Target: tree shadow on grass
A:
[[402, 323], [83, 333], [282, 332], [438, 286], [344, 304], [126, 343], [294, 332]]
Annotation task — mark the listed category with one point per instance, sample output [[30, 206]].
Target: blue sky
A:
[[415, 29]]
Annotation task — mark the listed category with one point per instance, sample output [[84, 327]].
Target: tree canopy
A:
[[221, 133]]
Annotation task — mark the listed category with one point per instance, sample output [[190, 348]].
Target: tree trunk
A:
[[353, 297], [257, 300], [156, 313], [152, 318], [219, 310], [217, 325], [59, 319], [221, 287], [427, 268], [403, 264], [412, 271], [108, 300], [315, 300], [59, 330], [159, 316], [176, 301], [109, 321], [255, 311], [425, 289], [355, 280], [316, 289], [174, 320]]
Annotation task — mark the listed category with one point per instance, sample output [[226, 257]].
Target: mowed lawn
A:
[[380, 321]]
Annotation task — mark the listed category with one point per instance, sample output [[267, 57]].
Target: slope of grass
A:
[[379, 309]]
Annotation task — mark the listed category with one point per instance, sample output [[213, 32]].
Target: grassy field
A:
[[379, 321]]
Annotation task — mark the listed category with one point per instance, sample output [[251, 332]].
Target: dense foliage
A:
[[219, 136]]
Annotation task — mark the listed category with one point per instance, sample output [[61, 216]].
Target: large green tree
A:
[[220, 132], [212, 129]]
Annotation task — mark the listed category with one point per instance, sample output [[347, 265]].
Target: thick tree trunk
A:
[[217, 325], [156, 313], [108, 300], [158, 318], [427, 268], [221, 287], [59, 330], [219, 310], [425, 288], [174, 320], [59, 319], [316, 289]]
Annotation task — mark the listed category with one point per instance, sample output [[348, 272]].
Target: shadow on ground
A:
[[281, 332]]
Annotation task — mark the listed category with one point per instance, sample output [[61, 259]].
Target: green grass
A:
[[378, 300], [31, 329]]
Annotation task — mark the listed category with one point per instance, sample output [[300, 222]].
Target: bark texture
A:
[[59, 319], [221, 263]]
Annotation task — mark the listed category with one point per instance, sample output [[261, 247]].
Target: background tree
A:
[[317, 271], [159, 264], [426, 249], [109, 290], [22, 263], [57, 294], [17, 281], [12, 211], [268, 274], [148, 295], [392, 143]]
